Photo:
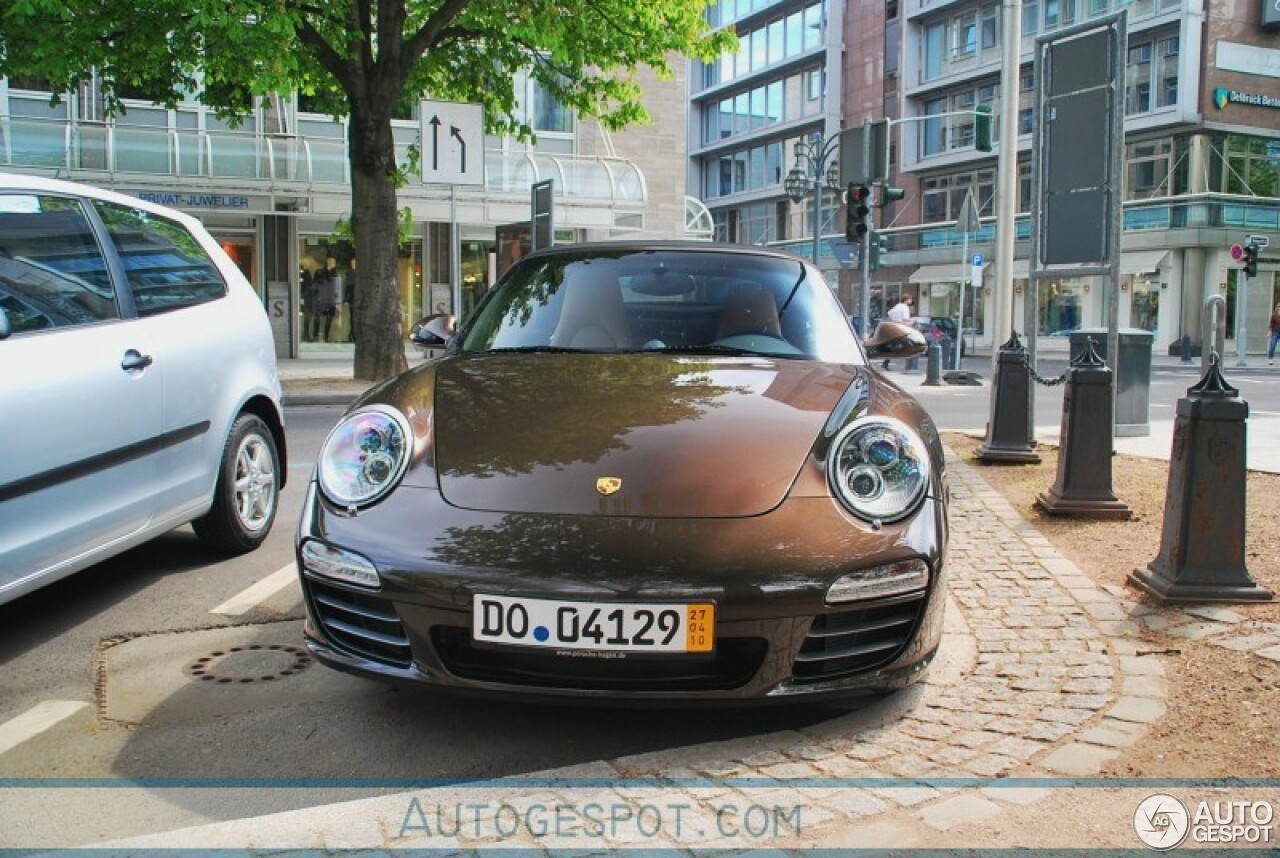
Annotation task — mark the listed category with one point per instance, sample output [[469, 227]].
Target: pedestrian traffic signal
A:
[[887, 194], [1250, 260], [982, 128], [857, 212], [877, 246]]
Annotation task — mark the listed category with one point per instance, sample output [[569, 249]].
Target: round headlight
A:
[[364, 456], [878, 468]]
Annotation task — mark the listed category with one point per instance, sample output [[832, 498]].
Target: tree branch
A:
[[429, 33], [324, 53]]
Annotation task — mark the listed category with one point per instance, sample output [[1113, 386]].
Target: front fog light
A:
[[338, 564], [892, 579]]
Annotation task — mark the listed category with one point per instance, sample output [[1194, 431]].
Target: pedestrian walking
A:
[[1274, 329], [900, 313]]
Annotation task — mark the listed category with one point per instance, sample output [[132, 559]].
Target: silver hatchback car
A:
[[138, 384]]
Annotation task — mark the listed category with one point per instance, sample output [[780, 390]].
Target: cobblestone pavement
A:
[[1043, 681]]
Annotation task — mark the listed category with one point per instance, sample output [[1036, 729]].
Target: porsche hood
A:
[[627, 435]]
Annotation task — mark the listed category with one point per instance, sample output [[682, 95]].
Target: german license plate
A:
[[613, 627]]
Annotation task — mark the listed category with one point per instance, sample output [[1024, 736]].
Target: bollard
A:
[[1186, 348], [1201, 556], [933, 365], [1083, 486], [1009, 430]]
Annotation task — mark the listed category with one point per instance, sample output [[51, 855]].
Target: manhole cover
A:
[[241, 665]]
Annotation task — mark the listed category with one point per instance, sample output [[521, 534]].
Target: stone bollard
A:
[[1185, 347], [1009, 431], [1201, 556], [1083, 487], [933, 366]]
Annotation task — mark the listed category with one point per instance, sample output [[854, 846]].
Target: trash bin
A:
[[1133, 375]]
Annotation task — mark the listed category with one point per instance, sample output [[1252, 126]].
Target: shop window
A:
[[1060, 310], [1144, 306]]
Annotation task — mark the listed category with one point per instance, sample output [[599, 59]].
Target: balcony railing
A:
[[1192, 211], [276, 161]]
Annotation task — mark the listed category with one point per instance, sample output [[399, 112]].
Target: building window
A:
[[1030, 17], [965, 33], [990, 26], [1252, 163], [935, 40], [1167, 72], [935, 131]]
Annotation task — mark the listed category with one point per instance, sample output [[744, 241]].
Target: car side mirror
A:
[[894, 339], [5, 330]]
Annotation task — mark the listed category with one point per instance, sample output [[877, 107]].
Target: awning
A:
[[1133, 262], [951, 272], [1141, 261]]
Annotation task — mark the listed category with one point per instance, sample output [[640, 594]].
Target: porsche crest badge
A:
[[608, 485]]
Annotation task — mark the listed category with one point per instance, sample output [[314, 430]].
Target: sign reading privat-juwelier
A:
[[194, 200]]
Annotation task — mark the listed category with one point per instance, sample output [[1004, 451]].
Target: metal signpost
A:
[[452, 142], [542, 219], [1075, 202], [967, 223]]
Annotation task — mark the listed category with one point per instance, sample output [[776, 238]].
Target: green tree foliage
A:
[[358, 58]]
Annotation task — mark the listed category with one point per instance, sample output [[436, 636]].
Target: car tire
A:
[[247, 494]]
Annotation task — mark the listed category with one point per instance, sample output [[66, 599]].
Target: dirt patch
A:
[[1222, 718]]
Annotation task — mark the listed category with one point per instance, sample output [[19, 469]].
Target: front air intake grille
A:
[[361, 623], [857, 638], [732, 665]]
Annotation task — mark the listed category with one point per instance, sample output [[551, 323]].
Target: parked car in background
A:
[[138, 384], [640, 471], [939, 328]]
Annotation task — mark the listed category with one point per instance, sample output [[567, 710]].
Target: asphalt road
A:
[[158, 723], [967, 409]]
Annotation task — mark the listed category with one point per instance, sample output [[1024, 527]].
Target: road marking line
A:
[[36, 720], [255, 595]]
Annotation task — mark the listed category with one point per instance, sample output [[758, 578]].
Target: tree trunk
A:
[[379, 338]]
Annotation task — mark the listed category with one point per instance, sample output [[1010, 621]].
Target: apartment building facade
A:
[[1201, 157]]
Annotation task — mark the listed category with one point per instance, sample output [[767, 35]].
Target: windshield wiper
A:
[[707, 349], [533, 350]]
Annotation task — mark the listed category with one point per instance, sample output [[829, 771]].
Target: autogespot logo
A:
[[1161, 821]]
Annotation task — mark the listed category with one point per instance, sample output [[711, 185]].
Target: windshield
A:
[[682, 301]]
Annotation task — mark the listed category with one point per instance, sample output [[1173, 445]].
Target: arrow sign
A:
[[456, 133], [435, 142], [444, 156]]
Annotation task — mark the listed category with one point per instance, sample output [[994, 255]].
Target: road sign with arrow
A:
[[452, 143]]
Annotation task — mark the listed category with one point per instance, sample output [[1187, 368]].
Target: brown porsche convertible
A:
[[659, 471]]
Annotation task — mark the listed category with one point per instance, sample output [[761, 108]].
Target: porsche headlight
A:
[[878, 468], [364, 456]]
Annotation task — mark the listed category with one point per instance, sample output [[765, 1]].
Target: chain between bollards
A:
[[1038, 378]]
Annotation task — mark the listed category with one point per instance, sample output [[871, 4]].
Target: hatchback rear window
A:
[[165, 264]]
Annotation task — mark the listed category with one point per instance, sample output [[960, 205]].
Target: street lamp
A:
[[812, 172]]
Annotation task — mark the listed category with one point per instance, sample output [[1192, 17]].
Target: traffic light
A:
[[1250, 260], [982, 128], [877, 247], [857, 212], [888, 195]]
